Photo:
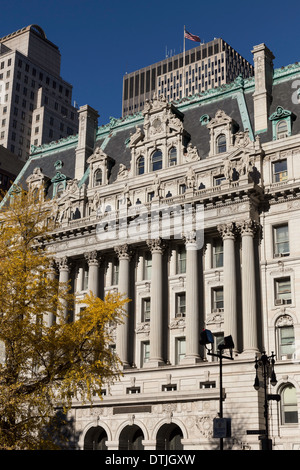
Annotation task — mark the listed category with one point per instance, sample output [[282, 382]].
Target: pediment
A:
[[161, 119], [97, 156]]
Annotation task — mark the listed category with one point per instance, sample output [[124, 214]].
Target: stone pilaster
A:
[[228, 233], [122, 342], [156, 313]]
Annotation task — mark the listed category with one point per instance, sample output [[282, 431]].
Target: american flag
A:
[[192, 37]]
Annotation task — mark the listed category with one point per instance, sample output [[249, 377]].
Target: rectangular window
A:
[[145, 352], [218, 180], [280, 171], [181, 260], [180, 304], [180, 349], [218, 253], [217, 299], [85, 279], [115, 272], [286, 341], [283, 294], [147, 266], [281, 241], [146, 306]]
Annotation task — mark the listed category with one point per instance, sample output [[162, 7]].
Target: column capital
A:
[[123, 252], [227, 230], [156, 245], [92, 258], [64, 264], [248, 227], [190, 239]]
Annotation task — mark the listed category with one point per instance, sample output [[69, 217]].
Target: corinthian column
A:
[[248, 228], [156, 313], [51, 276], [122, 345], [192, 303], [227, 231], [64, 272], [93, 279]]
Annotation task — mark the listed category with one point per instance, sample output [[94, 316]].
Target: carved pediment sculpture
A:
[[191, 154], [136, 137], [123, 172]]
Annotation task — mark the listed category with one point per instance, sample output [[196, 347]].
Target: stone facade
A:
[[193, 214]]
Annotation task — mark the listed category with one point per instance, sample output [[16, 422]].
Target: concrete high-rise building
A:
[[189, 73], [35, 102]]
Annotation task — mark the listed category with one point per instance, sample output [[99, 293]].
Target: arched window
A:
[[221, 144], [282, 129], [169, 437], [131, 438], [60, 189], [156, 161], [172, 156], [95, 439], [98, 177], [140, 166], [289, 413]]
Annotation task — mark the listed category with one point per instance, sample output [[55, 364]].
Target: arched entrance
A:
[[169, 437], [131, 438], [95, 439]]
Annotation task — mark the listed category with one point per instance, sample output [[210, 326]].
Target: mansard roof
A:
[[235, 99]]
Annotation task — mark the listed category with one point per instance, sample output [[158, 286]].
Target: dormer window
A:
[[156, 160], [281, 123], [221, 144], [60, 189], [172, 156], [98, 177], [282, 129], [140, 166]]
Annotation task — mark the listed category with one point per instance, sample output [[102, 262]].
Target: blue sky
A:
[[101, 41]]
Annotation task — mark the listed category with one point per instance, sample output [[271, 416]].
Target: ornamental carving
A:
[[63, 263], [191, 154], [227, 230], [248, 227], [205, 426], [156, 245], [92, 258], [284, 320], [123, 252]]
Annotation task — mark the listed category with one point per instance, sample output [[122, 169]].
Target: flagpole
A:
[[183, 81]]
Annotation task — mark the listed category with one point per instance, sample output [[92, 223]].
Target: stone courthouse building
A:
[[191, 209]]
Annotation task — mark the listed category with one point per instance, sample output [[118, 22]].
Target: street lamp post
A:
[[206, 337], [266, 364]]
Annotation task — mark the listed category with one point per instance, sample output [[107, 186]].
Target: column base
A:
[[249, 353], [152, 363], [190, 360]]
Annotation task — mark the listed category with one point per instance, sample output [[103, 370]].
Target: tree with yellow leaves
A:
[[43, 365]]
